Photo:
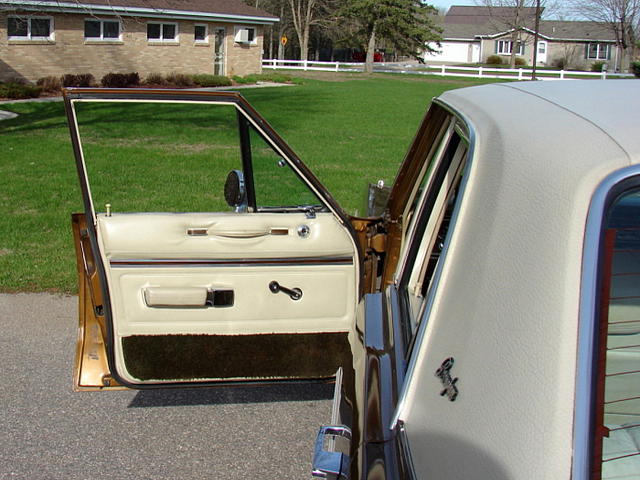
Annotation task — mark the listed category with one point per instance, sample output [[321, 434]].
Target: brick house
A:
[[472, 34], [39, 38]]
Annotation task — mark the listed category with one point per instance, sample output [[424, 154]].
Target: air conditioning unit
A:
[[242, 36]]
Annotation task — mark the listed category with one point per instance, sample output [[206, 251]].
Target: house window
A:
[[245, 35], [30, 28], [503, 47], [599, 51], [162, 32], [102, 30], [200, 34]]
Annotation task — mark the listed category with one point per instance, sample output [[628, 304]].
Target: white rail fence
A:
[[441, 70]]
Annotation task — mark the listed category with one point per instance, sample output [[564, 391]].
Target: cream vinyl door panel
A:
[[221, 235], [159, 266], [326, 304]]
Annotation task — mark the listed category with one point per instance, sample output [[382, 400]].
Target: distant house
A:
[[53, 37], [472, 34]]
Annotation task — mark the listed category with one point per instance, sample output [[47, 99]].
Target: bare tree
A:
[[623, 19], [514, 16], [307, 13]]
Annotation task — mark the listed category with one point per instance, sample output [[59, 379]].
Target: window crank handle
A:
[[294, 293]]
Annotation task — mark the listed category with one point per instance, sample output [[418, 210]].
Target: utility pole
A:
[[536, 34]]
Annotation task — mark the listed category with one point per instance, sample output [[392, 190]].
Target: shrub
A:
[[635, 68], [267, 77], [180, 80], [155, 79], [120, 80], [241, 80], [206, 80], [494, 60], [49, 84], [559, 63], [597, 66], [520, 62], [18, 90], [80, 80]]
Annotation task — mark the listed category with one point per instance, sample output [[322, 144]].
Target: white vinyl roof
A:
[[611, 106]]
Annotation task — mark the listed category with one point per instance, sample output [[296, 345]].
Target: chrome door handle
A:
[[294, 293]]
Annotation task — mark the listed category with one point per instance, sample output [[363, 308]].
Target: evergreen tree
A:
[[407, 25]]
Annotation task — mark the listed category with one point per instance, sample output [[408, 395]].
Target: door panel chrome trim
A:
[[240, 262]]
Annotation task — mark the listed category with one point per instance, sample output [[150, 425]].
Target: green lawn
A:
[[349, 132]]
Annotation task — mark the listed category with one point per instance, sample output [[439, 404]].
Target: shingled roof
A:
[[458, 14], [469, 23], [156, 8]]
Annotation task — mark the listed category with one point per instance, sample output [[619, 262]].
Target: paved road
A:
[[49, 432]]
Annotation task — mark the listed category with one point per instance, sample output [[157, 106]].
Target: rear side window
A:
[[617, 423]]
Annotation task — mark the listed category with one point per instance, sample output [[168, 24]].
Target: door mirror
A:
[[235, 192], [377, 199]]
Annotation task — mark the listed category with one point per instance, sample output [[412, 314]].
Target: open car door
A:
[[178, 286]]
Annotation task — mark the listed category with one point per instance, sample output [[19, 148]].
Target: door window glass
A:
[[158, 157], [176, 157], [431, 225], [219, 47], [276, 184], [618, 397]]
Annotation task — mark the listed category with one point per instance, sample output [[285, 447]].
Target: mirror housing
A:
[[235, 192]]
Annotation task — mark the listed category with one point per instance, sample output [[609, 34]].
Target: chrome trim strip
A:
[[438, 273], [405, 450], [583, 410], [228, 262]]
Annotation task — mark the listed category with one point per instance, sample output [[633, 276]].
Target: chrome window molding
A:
[[405, 452], [469, 134], [587, 319]]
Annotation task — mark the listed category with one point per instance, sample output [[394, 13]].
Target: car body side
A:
[[507, 301]]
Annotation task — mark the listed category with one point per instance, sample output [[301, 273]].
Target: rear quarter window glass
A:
[[618, 390]]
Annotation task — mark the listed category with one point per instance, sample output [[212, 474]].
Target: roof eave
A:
[[73, 7]]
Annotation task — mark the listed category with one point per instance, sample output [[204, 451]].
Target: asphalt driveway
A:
[[50, 432]]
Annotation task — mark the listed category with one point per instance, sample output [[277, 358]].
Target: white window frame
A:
[[28, 18], [503, 47], [237, 35], [542, 47], [600, 47], [206, 33], [102, 38], [175, 39]]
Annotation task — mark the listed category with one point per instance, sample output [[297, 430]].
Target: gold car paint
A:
[[91, 368]]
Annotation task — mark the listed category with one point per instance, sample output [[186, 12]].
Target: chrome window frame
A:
[[588, 319]]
